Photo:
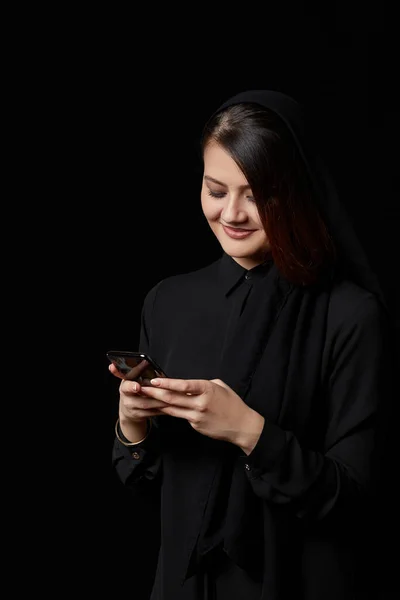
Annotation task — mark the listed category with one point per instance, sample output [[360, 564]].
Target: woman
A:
[[262, 440]]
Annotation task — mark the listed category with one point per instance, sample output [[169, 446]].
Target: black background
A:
[[155, 94]]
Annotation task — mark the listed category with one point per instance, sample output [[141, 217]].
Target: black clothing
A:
[[286, 521], [294, 499]]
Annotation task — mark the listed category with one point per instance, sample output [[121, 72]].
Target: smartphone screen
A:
[[136, 366]]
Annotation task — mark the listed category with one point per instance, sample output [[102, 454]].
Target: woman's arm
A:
[[284, 471]]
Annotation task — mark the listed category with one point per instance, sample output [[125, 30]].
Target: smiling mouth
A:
[[237, 233]]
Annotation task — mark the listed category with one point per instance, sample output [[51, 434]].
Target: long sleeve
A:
[[282, 470], [140, 467], [137, 465]]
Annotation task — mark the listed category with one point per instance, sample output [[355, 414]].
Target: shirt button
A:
[[247, 467], [135, 455], [247, 276]]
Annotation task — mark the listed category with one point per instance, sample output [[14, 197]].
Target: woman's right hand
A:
[[134, 407]]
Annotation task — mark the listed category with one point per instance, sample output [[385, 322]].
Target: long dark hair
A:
[[263, 148]]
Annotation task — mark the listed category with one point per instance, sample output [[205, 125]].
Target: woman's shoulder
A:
[[186, 282], [351, 304]]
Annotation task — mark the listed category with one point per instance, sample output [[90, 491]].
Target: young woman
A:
[[262, 440]]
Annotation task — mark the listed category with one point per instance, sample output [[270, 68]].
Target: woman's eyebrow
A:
[[241, 187]]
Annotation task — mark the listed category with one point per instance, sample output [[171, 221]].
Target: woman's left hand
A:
[[211, 407]]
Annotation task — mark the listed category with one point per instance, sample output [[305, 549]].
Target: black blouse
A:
[[312, 362]]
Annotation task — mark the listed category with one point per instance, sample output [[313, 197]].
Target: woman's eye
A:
[[222, 194], [216, 194]]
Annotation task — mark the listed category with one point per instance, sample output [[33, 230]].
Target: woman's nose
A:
[[232, 211]]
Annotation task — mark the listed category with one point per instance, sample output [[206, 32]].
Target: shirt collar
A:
[[231, 273]]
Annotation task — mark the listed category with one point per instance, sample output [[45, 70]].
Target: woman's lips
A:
[[237, 234]]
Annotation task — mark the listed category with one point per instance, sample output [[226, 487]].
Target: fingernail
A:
[[155, 381]]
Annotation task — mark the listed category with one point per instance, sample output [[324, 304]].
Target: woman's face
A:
[[230, 210]]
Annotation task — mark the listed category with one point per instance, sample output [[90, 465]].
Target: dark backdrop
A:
[[341, 65]]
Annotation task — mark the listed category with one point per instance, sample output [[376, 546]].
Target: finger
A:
[[114, 371], [144, 412], [177, 411], [165, 396], [184, 386], [179, 399], [129, 387], [145, 404]]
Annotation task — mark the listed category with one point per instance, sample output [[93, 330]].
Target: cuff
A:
[[142, 460], [268, 449]]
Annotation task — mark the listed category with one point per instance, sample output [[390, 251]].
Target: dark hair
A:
[[265, 151]]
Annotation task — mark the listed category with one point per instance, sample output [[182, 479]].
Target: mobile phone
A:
[[136, 366]]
